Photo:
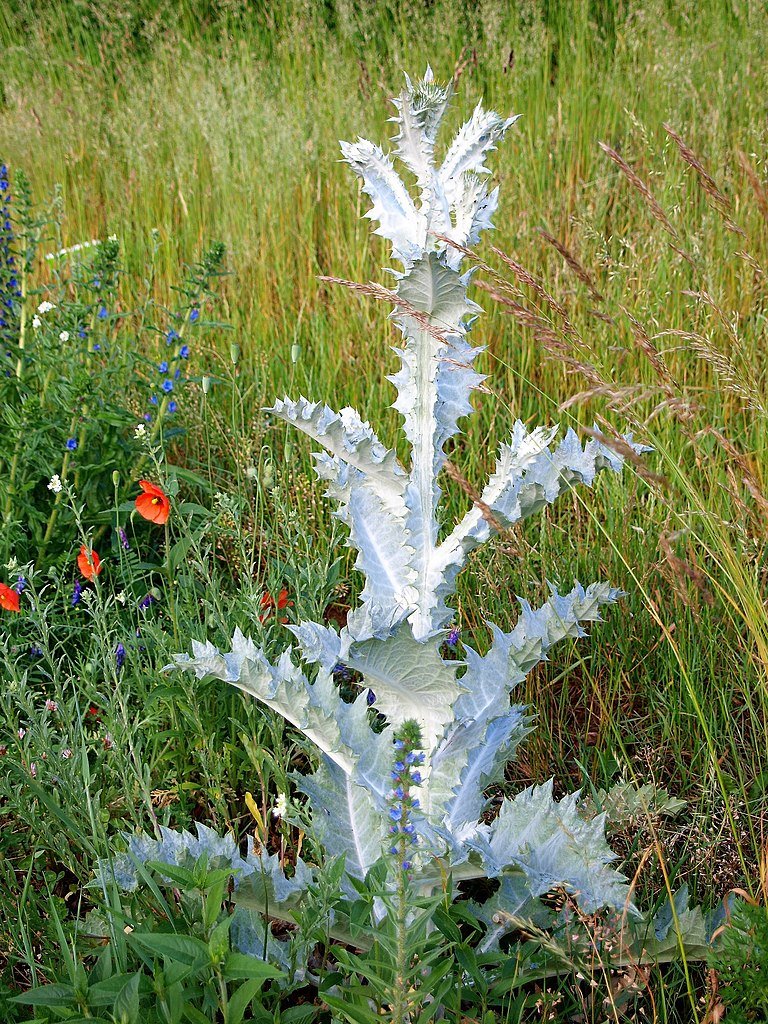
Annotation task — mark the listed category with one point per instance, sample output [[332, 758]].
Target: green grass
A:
[[225, 126]]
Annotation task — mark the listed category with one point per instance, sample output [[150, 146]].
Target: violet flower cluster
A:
[[169, 375]]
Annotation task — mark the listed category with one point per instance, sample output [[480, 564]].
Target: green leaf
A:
[[354, 1014], [194, 1015], [241, 999], [126, 1008], [182, 949], [239, 966], [191, 508], [185, 879], [179, 551], [218, 944], [89, 1020], [448, 927], [47, 995], [192, 478], [214, 897], [298, 1014], [104, 993]]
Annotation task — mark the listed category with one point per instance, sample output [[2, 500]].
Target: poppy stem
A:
[[171, 582]]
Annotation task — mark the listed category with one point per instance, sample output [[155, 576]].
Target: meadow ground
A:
[[634, 215]]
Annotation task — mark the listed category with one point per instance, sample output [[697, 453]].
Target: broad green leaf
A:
[[60, 995], [183, 949], [238, 966], [241, 999], [218, 944], [126, 1008]]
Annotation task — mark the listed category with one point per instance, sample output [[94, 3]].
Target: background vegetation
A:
[[170, 125]]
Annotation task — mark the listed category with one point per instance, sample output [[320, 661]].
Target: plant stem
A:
[[171, 582], [22, 318], [19, 372], [57, 501], [400, 998]]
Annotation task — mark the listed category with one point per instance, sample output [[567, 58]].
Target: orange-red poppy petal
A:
[[269, 604], [89, 563], [153, 504], [150, 488], [9, 599]]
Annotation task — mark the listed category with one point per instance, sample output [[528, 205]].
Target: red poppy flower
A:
[[269, 604], [89, 563], [9, 599], [153, 504]]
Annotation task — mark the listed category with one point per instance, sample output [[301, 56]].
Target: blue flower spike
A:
[[401, 801]]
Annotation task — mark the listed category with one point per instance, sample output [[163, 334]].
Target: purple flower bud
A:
[[194, 315], [76, 592], [120, 656], [395, 813], [416, 778], [406, 865], [123, 538]]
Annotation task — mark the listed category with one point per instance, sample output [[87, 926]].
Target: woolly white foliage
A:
[[393, 639]]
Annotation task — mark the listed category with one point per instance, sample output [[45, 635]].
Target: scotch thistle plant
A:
[[468, 728]]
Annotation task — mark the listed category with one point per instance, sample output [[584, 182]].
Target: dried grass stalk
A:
[[646, 346], [683, 571], [637, 182], [378, 291], [578, 269], [485, 510], [615, 441], [761, 194], [707, 182]]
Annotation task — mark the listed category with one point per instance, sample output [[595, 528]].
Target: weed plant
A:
[[224, 126]]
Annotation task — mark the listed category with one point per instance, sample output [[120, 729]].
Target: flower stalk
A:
[[405, 775]]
